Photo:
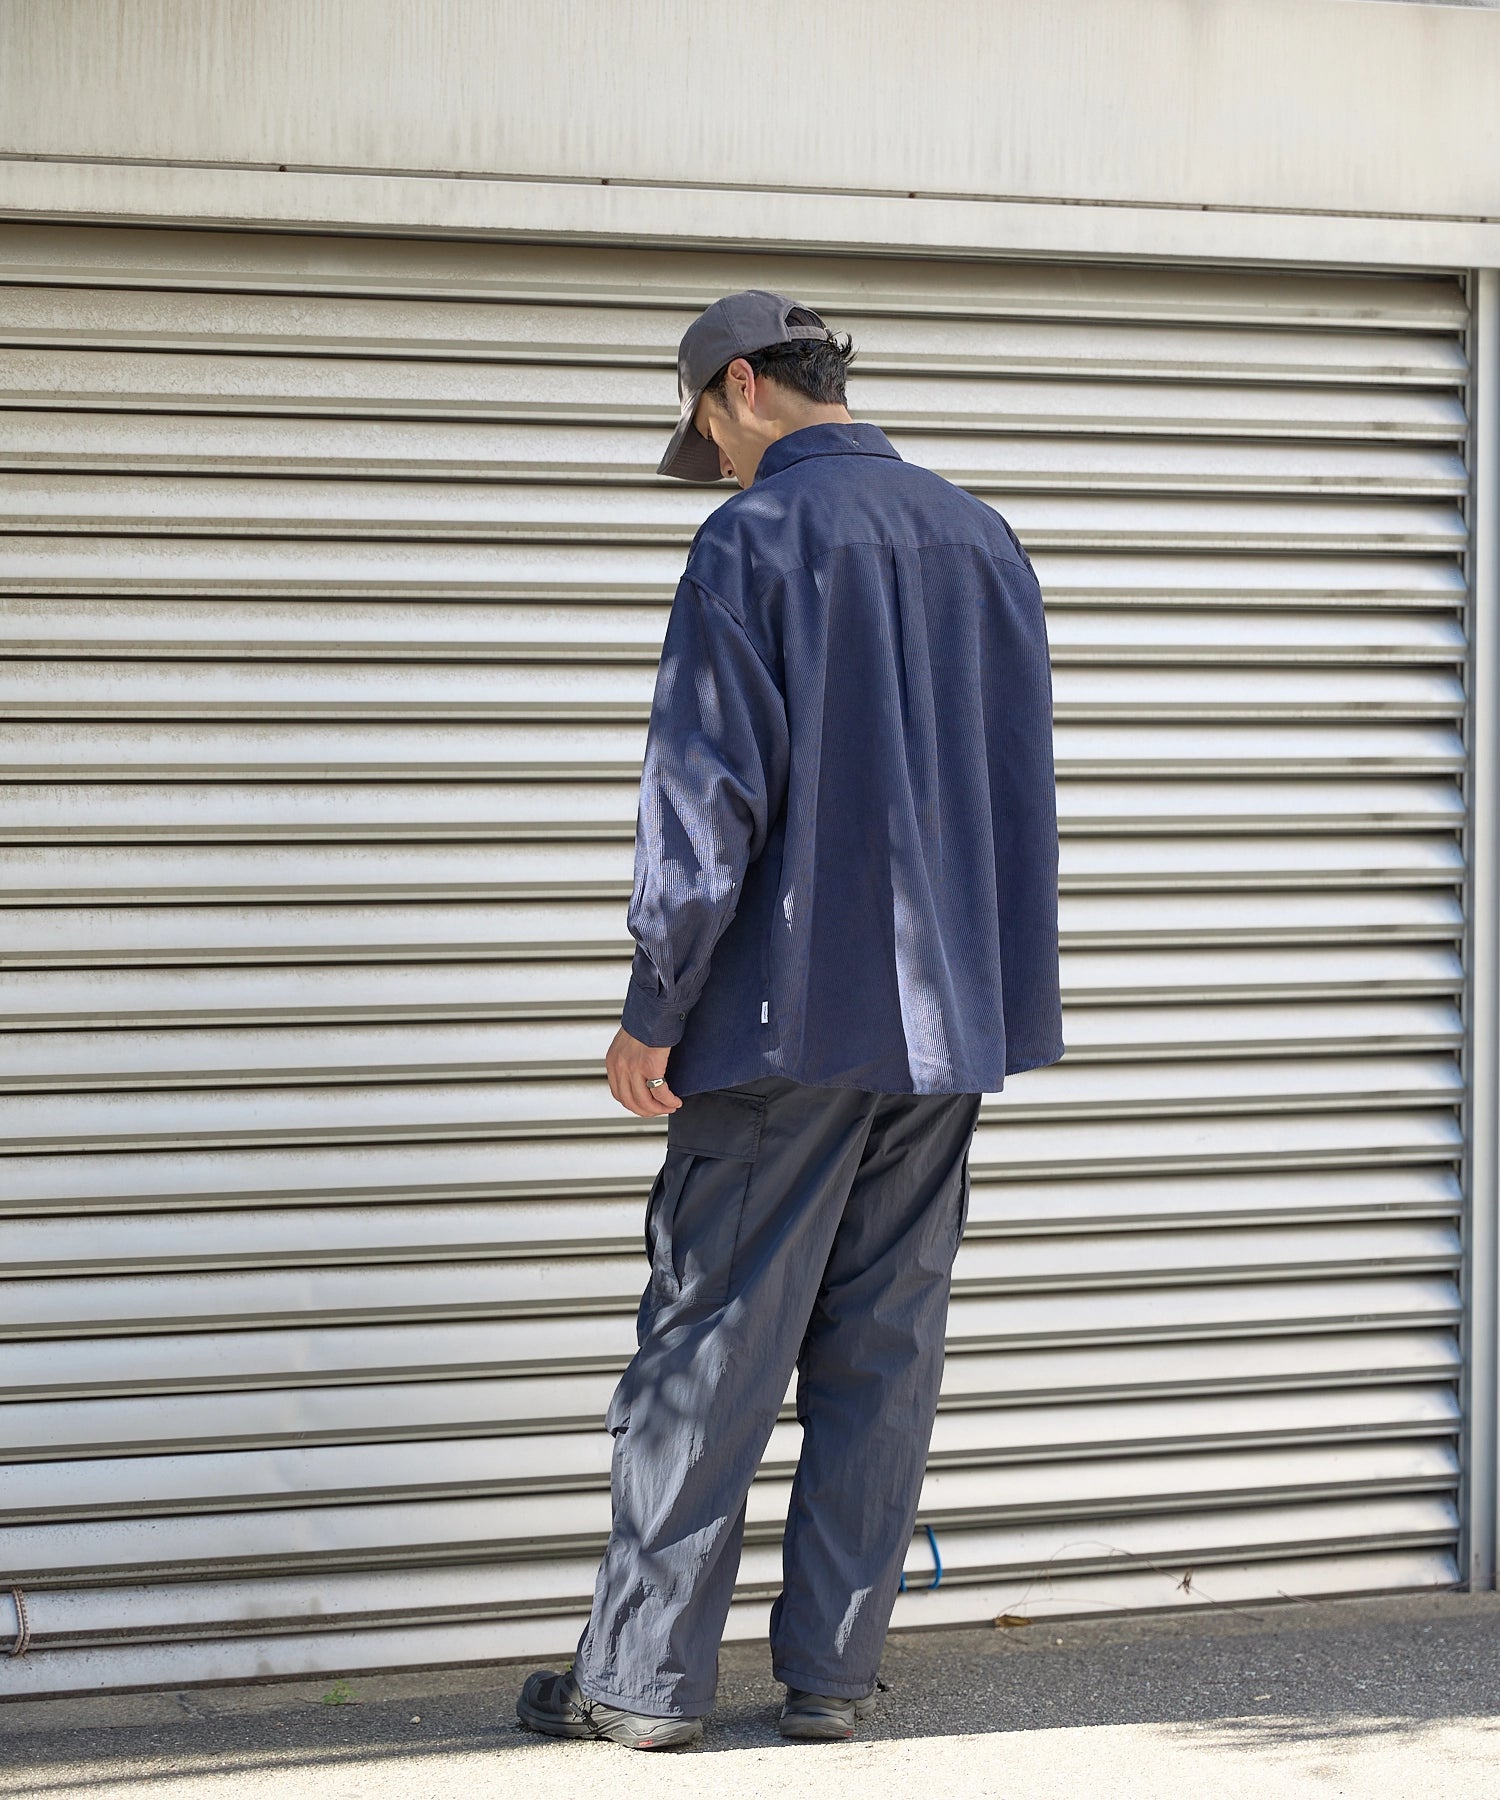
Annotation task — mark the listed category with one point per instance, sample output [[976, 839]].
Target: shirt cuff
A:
[[650, 1019]]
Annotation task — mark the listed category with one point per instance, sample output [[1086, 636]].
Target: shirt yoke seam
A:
[[853, 544]]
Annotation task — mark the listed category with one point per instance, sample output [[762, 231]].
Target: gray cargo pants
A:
[[790, 1226]]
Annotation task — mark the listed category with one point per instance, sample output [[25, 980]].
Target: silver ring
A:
[[657, 1081]]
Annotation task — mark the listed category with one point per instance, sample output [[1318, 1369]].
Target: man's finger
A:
[[645, 1102], [661, 1098], [648, 1100]]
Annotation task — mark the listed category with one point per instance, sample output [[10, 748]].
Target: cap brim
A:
[[690, 456]]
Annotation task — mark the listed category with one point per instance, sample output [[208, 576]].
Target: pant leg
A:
[[740, 1224], [869, 1372]]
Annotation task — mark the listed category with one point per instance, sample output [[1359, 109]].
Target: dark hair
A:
[[813, 367]]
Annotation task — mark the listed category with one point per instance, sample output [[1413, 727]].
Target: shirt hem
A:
[[753, 1067]]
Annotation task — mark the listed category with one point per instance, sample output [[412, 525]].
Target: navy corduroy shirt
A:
[[846, 847]]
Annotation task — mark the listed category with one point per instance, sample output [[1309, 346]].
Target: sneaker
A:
[[555, 1705], [822, 1717]]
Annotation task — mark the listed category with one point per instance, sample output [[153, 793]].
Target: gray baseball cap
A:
[[735, 326]]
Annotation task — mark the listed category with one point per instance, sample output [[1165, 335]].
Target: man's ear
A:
[[739, 386]]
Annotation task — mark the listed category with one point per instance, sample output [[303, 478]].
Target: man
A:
[[845, 914]]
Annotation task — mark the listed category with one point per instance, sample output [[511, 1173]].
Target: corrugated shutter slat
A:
[[335, 577]]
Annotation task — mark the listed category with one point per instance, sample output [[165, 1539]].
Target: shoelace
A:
[[583, 1709]]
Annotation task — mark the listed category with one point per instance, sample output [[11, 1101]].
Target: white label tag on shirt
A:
[[765, 1012]]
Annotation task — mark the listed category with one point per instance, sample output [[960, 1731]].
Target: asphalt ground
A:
[[1369, 1699]]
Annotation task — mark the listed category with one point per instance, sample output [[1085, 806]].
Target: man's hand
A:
[[630, 1064]]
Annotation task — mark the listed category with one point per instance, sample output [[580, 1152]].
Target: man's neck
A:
[[812, 415]]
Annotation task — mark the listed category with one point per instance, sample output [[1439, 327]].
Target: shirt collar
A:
[[854, 439]]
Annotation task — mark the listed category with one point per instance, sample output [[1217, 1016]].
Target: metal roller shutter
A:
[[335, 574]]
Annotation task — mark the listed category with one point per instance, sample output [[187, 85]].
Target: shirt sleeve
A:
[[713, 784]]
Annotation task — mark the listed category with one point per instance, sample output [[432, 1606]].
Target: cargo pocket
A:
[[617, 1413], [694, 1225], [963, 1208]]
